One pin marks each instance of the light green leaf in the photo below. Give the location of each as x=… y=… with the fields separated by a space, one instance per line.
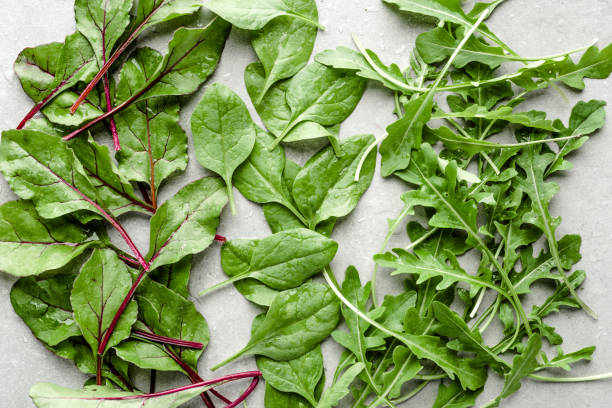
x=47 y=395
x=255 y=14
x=340 y=388
x=224 y=133
x=147 y=356
x=153 y=12
x=98 y=291
x=186 y=223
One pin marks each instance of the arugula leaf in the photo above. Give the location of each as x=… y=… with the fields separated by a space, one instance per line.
x=296 y=322
x=522 y=365
x=285 y=44
x=454 y=396
x=255 y=14
x=563 y=360
x=44 y=305
x=325 y=188
x=98 y=292
x=339 y=389
x=154 y=146
x=404 y=135
x=186 y=223
x=282 y=261
x=348 y=59
x=299 y=376
x=224 y=134
x=31 y=245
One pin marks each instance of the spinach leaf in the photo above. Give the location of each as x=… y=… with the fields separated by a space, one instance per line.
x=96 y=296
x=299 y=376
x=325 y=188
x=281 y=261
x=285 y=44
x=224 y=134
x=323 y=95
x=297 y=321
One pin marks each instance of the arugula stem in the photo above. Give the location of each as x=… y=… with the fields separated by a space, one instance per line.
x=223 y=283
x=167 y=340
x=383 y=247
x=421 y=239
x=363 y=158
x=543 y=378
x=412 y=393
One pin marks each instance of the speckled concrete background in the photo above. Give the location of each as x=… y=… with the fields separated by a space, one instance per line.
x=531 y=27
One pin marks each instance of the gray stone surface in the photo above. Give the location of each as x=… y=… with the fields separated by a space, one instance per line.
x=532 y=28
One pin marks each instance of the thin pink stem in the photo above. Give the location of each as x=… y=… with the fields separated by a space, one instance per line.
x=120 y=311
x=245 y=394
x=129 y=261
x=220 y=238
x=109 y=107
x=224 y=379
x=168 y=340
x=36 y=109
x=112 y=60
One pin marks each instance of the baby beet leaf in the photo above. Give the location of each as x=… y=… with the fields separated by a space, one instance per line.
x=224 y=133
x=168 y=314
x=325 y=187
x=282 y=261
x=31 y=245
x=174 y=276
x=285 y=44
x=41 y=168
x=44 y=305
x=297 y=321
x=114 y=191
x=147 y=356
x=48 y=70
x=255 y=14
x=323 y=95
x=186 y=224
x=102 y=23
x=148 y=14
x=299 y=376
x=98 y=292
x=154 y=146
x=47 y=395
x=193 y=55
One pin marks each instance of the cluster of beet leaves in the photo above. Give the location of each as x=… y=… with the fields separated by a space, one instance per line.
x=113 y=310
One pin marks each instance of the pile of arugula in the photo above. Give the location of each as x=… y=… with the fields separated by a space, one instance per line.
x=109 y=310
